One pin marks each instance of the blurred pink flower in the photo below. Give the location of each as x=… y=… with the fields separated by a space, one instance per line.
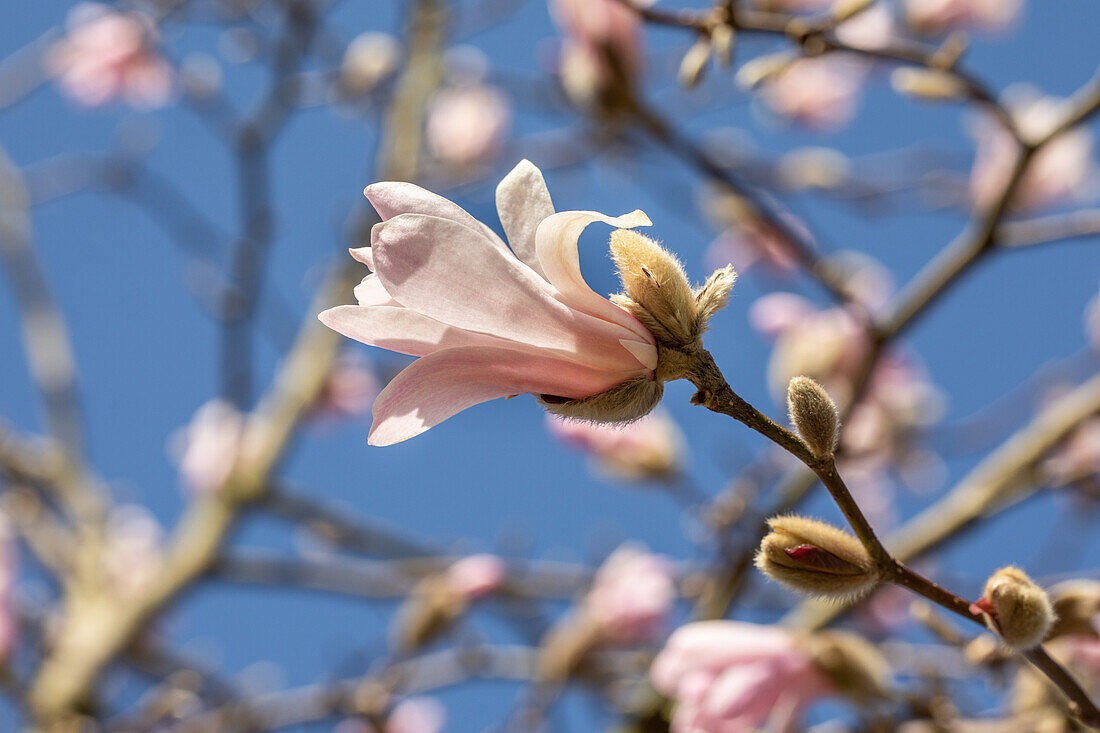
x=467 y=124
x=486 y=321
x=209 y=447
x=1092 y=322
x=649 y=448
x=108 y=55
x=349 y=390
x=872 y=29
x=411 y=715
x=753 y=242
x=603 y=45
x=820 y=92
x=476 y=575
x=132 y=554
x=735 y=677
x=9 y=626
x=631 y=596
x=935 y=16
x=1079 y=455
x=1059 y=173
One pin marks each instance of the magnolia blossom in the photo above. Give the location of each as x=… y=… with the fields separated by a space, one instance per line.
x=466 y=124
x=652 y=447
x=486 y=320
x=1060 y=172
x=476 y=575
x=208 y=448
x=631 y=596
x=107 y=55
x=411 y=715
x=935 y=16
x=1078 y=457
x=9 y=626
x=872 y=29
x=821 y=92
x=350 y=388
x=734 y=677
x=369 y=58
x=602 y=48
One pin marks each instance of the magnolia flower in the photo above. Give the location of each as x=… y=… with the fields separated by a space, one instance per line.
x=1078 y=457
x=488 y=321
x=475 y=576
x=1060 y=172
x=411 y=715
x=820 y=92
x=631 y=596
x=208 y=448
x=107 y=55
x=935 y=16
x=871 y=29
x=649 y=448
x=369 y=58
x=732 y=676
x=467 y=124
x=349 y=390
x=602 y=48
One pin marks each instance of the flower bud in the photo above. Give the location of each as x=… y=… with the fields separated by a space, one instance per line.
x=816 y=558
x=854 y=665
x=722 y=40
x=929 y=84
x=659 y=294
x=1077 y=606
x=762 y=68
x=694 y=63
x=626 y=402
x=1016 y=608
x=814 y=415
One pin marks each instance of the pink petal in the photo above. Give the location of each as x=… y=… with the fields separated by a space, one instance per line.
x=400 y=329
x=442 y=384
x=556 y=244
x=371 y=291
x=522 y=203
x=392 y=199
x=364 y=255
x=452 y=274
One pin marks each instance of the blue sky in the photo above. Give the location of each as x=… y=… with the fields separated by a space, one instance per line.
x=147 y=351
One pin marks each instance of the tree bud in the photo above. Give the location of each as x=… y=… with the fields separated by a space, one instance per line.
x=930 y=84
x=694 y=63
x=1015 y=607
x=853 y=664
x=816 y=558
x=814 y=415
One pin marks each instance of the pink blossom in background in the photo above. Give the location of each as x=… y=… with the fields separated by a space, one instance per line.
x=735 y=677
x=132 y=552
x=602 y=45
x=820 y=92
x=368 y=59
x=1079 y=455
x=417 y=715
x=476 y=575
x=631 y=596
x=467 y=124
x=9 y=558
x=486 y=321
x=652 y=447
x=350 y=388
x=873 y=28
x=936 y=16
x=208 y=448
x=1059 y=173
x=1092 y=322
x=107 y=55
x=411 y=715
x=750 y=243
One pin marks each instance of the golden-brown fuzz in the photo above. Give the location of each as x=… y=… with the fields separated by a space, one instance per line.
x=816 y=558
x=814 y=415
x=1016 y=608
x=658 y=293
x=854 y=665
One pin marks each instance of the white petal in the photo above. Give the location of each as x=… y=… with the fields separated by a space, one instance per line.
x=522 y=203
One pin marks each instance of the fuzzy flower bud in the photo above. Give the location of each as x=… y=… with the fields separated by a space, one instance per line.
x=694 y=63
x=659 y=294
x=1016 y=608
x=816 y=558
x=854 y=666
x=814 y=415
x=928 y=84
